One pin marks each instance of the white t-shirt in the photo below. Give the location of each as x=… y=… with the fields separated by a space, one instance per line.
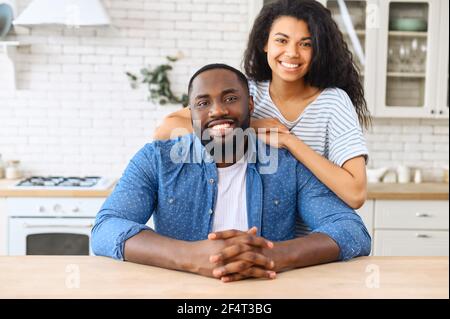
x=231 y=205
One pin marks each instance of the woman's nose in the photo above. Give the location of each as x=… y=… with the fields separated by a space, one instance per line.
x=292 y=52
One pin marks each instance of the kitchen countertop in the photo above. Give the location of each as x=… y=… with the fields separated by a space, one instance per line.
x=6 y=191
x=100 y=277
x=424 y=191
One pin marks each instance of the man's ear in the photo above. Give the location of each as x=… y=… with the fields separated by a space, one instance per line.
x=251 y=105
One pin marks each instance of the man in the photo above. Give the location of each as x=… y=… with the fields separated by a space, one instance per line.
x=192 y=187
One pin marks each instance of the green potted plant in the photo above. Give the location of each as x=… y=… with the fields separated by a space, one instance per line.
x=158 y=83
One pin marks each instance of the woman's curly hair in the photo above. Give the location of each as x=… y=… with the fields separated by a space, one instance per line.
x=332 y=63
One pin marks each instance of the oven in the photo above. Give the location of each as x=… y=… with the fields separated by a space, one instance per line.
x=51 y=226
x=50 y=236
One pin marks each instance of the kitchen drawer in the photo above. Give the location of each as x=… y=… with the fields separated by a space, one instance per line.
x=410 y=243
x=420 y=214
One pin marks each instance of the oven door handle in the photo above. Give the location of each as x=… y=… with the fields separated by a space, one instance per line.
x=26 y=225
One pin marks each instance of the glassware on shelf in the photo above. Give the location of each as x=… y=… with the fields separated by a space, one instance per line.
x=393 y=60
x=415 y=63
x=404 y=57
x=423 y=56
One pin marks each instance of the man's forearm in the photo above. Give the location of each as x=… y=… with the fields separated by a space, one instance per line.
x=150 y=248
x=313 y=249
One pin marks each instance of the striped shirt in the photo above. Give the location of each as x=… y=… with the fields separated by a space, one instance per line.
x=329 y=125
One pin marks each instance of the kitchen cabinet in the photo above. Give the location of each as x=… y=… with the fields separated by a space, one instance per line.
x=405 y=44
x=411 y=243
x=411 y=228
x=3 y=227
x=409 y=42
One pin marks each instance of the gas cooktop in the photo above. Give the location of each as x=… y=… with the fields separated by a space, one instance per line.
x=64 y=183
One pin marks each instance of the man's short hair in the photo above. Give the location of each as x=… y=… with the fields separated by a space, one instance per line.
x=241 y=77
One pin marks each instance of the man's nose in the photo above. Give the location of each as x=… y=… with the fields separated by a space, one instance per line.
x=218 y=110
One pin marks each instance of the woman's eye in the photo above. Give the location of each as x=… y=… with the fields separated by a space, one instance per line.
x=281 y=40
x=306 y=44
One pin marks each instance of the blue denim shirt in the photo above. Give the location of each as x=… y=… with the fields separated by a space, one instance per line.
x=176 y=182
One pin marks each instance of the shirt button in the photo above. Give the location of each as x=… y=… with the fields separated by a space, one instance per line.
x=210 y=211
x=171 y=200
x=276 y=202
x=211 y=181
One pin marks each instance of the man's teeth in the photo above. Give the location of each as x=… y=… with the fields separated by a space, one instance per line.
x=291 y=66
x=221 y=126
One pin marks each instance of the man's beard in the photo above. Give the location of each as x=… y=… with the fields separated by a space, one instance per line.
x=228 y=148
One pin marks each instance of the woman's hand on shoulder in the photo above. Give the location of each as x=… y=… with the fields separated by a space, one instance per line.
x=260 y=125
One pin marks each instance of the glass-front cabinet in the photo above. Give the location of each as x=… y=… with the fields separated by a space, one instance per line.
x=408 y=47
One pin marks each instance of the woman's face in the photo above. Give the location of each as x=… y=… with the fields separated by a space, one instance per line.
x=289 y=49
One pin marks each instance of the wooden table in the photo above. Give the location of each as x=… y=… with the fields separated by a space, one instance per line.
x=99 y=277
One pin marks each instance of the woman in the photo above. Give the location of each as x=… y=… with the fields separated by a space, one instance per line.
x=304 y=83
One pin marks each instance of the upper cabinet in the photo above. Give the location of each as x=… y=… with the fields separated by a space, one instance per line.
x=409 y=41
x=405 y=66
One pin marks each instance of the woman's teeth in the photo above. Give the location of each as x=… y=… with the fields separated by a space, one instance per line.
x=290 y=66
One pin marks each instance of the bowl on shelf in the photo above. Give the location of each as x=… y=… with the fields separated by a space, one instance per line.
x=6 y=18
x=408 y=24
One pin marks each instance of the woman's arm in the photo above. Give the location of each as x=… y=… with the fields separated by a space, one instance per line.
x=348 y=182
x=175 y=124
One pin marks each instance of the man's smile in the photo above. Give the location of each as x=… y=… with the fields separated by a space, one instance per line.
x=221 y=127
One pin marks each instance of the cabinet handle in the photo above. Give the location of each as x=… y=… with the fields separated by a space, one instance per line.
x=423 y=236
x=423 y=215
x=441 y=112
x=433 y=111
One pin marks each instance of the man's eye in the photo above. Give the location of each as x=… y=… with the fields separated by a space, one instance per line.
x=202 y=104
x=230 y=99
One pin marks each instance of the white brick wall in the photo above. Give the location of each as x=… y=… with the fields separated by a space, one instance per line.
x=75 y=114
x=417 y=143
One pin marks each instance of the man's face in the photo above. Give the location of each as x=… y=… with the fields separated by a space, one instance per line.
x=220 y=104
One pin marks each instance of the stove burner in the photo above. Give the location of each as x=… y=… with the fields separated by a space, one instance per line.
x=58 y=181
